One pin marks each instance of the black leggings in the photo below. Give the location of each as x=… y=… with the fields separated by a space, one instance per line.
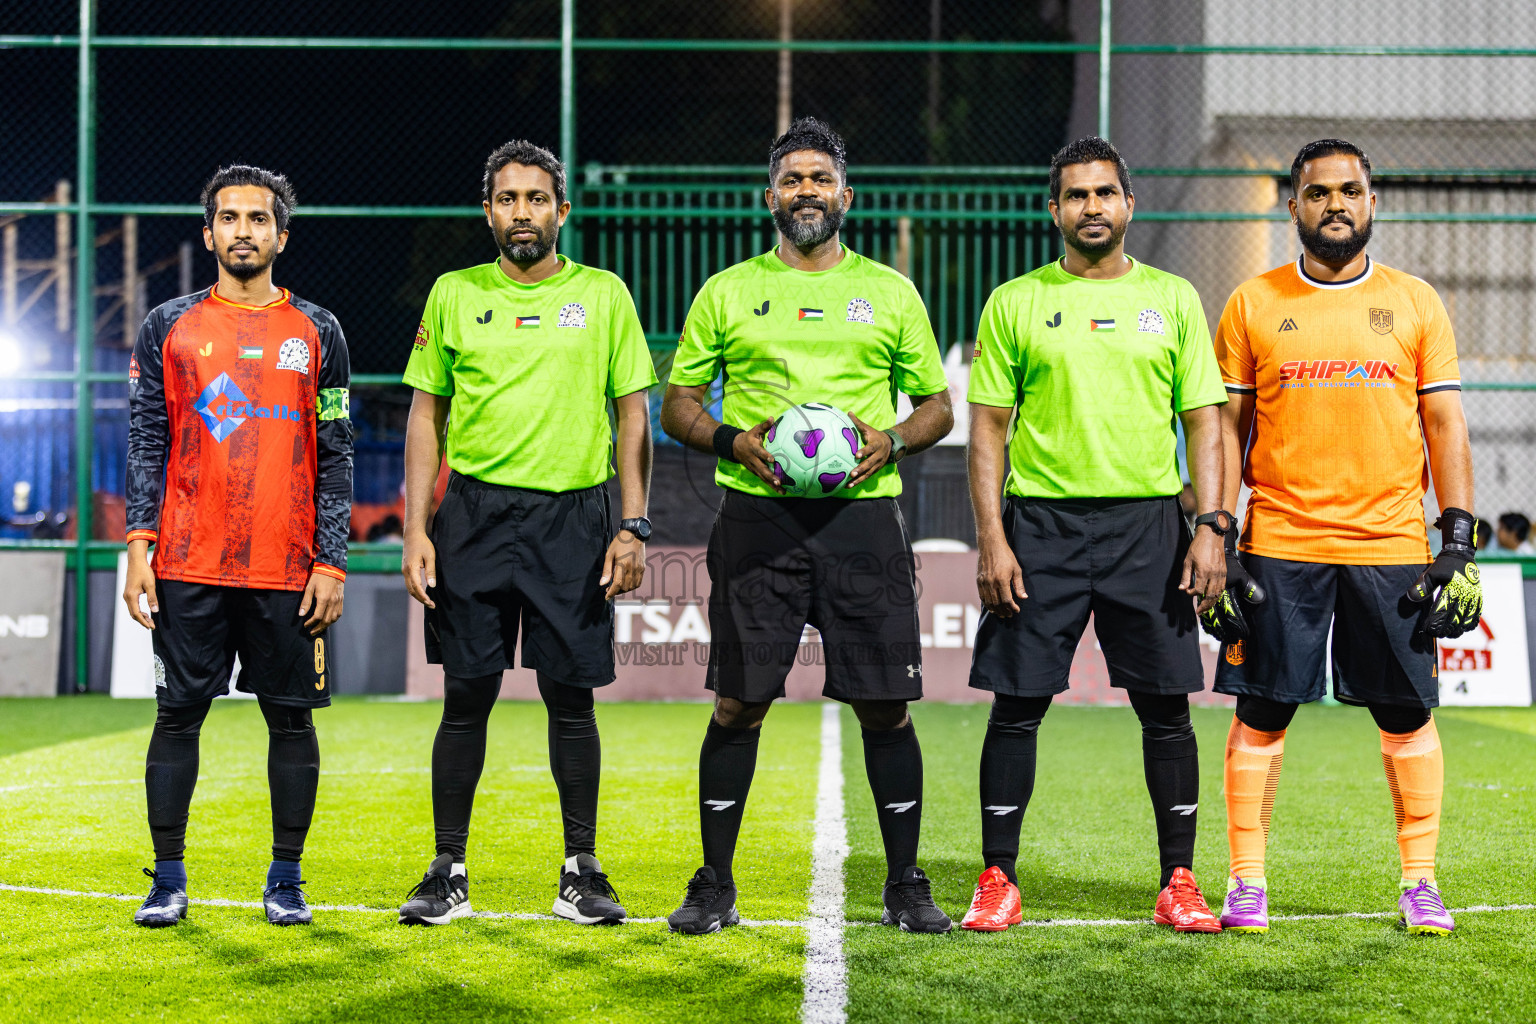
x=293 y=776
x=458 y=758
x=1267 y=715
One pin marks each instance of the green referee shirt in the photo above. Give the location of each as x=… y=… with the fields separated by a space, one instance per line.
x=531 y=368
x=851 y=337
x=1096 y=371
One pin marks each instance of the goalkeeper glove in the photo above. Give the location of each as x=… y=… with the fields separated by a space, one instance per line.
x=1451 y=585
x=1224 y=620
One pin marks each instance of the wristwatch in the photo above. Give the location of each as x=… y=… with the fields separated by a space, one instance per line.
x=1221 y=522
x=640 y=527
x=898 y=446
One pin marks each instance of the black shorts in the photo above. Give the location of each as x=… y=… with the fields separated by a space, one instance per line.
x=1119 y=559
x=507 y=553
x=1379 y=654
x=843 y=565
x=200 y=628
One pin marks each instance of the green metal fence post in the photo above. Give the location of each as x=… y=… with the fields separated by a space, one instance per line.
x=572 y=246
x=1104 y=13
x=85 y=326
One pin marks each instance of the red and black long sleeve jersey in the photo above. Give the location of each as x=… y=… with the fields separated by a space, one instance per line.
x=239 y=442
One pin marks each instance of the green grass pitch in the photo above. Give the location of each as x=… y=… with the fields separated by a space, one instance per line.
x=72 y=807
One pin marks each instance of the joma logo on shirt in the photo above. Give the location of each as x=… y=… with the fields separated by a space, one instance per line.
x=1337 y=369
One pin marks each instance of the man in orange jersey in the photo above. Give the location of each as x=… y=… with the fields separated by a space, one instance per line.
x=1340 y=371
x=240 y=475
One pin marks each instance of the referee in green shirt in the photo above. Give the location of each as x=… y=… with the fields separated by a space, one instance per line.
x=1092 y=358
x=809 y=321
x=519 y=360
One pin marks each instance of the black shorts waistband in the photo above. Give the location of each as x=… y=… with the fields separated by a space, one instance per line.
x=459 y=483
x=1090 y=504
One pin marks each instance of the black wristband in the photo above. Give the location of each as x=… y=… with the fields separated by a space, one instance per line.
x=1457 y=529
x=725 y=439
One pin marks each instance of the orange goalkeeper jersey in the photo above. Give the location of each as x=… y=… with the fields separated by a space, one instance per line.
x=1336 y=460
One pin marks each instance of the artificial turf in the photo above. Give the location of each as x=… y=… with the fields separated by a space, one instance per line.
x=71 y=798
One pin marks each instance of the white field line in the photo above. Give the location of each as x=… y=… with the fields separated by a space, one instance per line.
x=826 y=969
x=1058 y=922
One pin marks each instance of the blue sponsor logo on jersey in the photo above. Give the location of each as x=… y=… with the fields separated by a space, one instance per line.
x=224 y=407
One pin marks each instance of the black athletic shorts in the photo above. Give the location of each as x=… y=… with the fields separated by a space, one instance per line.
x=508 y=553
x=200 y=628
x=844 y=565
x=1379 y=654
x=1121 y=560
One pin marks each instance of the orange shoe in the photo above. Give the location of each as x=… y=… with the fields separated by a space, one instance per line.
x=1182 y=906
x=995 y=905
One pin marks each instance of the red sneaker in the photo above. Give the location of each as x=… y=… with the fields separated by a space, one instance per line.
x=1182 y=906
x=995 y=905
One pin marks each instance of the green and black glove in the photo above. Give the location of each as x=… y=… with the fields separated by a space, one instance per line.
x=1224 y=620
x=1452 y=585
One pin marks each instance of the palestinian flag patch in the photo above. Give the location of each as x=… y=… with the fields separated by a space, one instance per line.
x=810 y=314
x=525 y=322
x=250 y=352
x=1101 y=325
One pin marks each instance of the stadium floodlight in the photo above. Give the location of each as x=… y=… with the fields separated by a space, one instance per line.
x=11 y=355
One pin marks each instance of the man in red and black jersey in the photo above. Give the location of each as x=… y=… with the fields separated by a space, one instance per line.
x=240 y=476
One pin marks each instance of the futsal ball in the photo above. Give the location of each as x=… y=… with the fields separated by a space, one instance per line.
x=814 y=448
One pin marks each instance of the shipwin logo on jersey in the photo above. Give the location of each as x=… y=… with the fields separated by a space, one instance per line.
x=224 y=407
x=809 y=314
x=573 y=314
x=861 y=312
x=293 y=355
x=1150 y=322
x=1381 y=321
x=523 y=323
x=1101 y=325
x=422 y=335
x=1338 y=372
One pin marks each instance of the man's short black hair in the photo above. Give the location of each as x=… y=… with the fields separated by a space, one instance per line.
x=1327 y=147
x=234 y=175
x=1516 y=524
x=809 y=133
x=1090 y=149
x=521 y=151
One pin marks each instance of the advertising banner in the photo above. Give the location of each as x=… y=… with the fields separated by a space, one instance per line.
x=1491 y=664
x=31 y=617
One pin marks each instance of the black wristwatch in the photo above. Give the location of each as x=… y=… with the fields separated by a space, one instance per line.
x=898 y=446
x=640 y=527
x=1221 y=522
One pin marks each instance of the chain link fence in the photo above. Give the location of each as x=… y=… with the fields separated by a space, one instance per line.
x=664 y=110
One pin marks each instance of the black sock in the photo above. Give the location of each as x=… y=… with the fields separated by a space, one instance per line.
x=1171 y=760
x=293 y=776
x=1008 y=777
x=575 y=760
x=726 y=763
x=170 y=775
x=458 y=757
x=893 y=760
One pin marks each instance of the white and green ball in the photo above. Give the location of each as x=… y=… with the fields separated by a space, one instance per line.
x=814 y=448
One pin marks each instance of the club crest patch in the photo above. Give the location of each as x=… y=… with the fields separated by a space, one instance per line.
x=1150 y=322
x=861 y=312
x=1235 y=653
x=159 y=671
x=572 y=314
x=1381 y=321
x=293 y=355
x=422 y=335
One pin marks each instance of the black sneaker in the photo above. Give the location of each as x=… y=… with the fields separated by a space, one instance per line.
x=285 y=904
x=909 y=903
x=586 y=897
x=709 y=906
x=439 y=898
x=164 y=905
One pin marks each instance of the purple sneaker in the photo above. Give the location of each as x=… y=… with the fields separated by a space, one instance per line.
x=1246 y=909
x=1422 y=913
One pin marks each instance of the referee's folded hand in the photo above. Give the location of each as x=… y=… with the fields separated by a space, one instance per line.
x=418 y=564
x=623 y=565
x=999 y=579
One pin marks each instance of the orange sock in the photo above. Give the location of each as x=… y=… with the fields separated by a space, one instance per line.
x=1416 y=775
x=1251 y=774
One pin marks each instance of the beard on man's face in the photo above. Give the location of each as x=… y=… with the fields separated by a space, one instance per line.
x=807 y=234
x=525 y=254
x=1330 y=249
x=1090 y=248
x=246 y=269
